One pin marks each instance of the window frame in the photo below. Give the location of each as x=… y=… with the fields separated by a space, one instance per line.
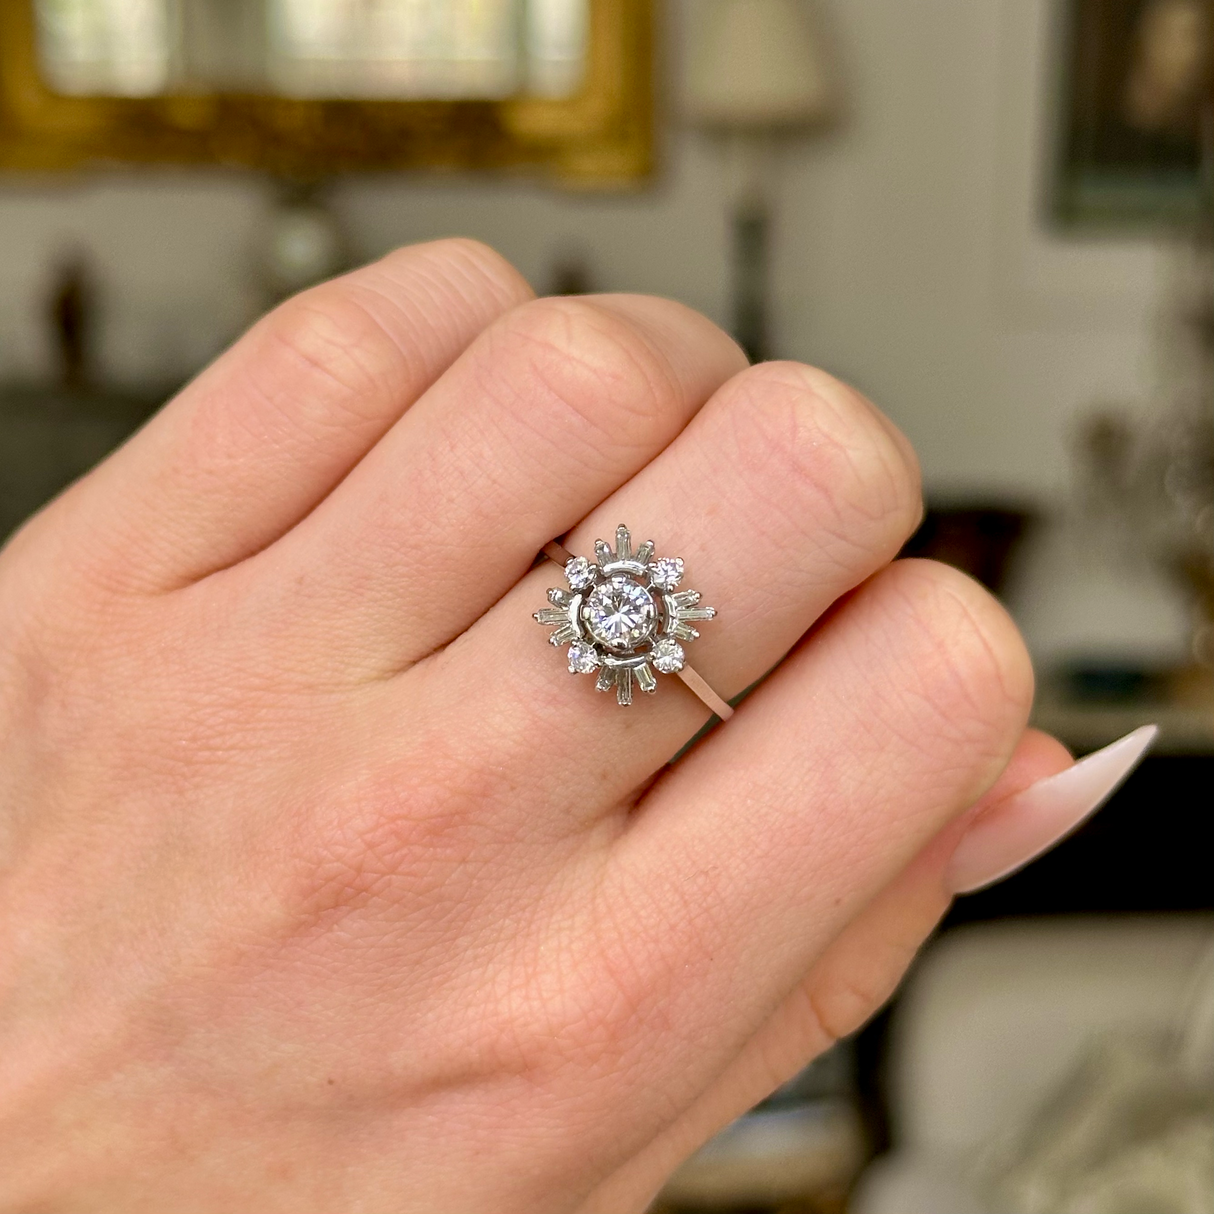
x=600 y=137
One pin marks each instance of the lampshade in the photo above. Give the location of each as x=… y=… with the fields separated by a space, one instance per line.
x=756 y=64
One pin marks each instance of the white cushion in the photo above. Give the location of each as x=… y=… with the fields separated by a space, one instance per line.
x=1197 y=1038
x=995 y=1013
x=908 y=1183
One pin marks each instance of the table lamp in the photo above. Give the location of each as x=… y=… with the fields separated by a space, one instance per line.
x=758 y=73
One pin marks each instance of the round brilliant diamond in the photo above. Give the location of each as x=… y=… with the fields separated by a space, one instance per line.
x=666 y=573
x=582 y=659
x=580 y=573
x=667 y=656
x=620 y=613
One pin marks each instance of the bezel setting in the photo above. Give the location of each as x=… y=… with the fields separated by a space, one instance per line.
x=623 y=617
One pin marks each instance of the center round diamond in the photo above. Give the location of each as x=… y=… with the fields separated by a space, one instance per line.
x=620 y=613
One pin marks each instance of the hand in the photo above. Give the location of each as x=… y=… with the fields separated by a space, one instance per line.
x=324 y=887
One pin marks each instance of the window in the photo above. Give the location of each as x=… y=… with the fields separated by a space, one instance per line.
x=352 y=49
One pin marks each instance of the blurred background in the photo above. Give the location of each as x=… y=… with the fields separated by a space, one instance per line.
x=995 y=217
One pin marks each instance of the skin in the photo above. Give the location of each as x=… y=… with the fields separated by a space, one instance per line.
x=324 y=887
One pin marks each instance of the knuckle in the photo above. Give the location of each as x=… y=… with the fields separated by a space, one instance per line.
x=970 y=663
x=329 y=343
x=467 y=263
x=839 y=1007
x=816 y=441
x=584 y=363
x=837 y=1010
x=335 y=356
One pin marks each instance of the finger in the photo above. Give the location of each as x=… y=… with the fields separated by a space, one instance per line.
x=890 y=931
x=547 y=413
x=785 y=492
x=261 y=436
x=753 y=853
x=846 y=985
x=862 y=966
x=897 y=714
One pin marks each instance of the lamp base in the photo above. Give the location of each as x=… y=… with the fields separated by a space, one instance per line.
x=750 y=273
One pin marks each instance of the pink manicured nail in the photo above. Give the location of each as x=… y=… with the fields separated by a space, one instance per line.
x=1010 y=834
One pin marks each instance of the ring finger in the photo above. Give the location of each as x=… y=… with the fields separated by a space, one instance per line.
x=785 y=492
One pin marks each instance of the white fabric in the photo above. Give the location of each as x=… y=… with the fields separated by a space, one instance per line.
x=996 y=1012
x=1197 y=1045
x=1124 y=1133
x=906 y=1182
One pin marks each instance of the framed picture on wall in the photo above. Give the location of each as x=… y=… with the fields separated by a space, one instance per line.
x=1135 y=111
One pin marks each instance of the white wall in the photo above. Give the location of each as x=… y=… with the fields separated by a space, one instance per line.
x=910 y=257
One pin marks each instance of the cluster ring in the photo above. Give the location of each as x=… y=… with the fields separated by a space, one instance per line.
x=624 y=619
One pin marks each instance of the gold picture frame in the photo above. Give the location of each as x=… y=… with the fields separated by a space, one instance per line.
x=600 y=137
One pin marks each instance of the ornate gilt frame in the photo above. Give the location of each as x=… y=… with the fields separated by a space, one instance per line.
x=600 y=137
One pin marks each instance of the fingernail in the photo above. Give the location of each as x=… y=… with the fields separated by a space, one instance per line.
x=1010 y=834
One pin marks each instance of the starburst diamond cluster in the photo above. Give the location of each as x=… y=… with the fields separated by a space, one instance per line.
x=623 y=616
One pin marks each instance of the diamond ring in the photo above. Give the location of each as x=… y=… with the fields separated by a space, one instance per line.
x=624 y=618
